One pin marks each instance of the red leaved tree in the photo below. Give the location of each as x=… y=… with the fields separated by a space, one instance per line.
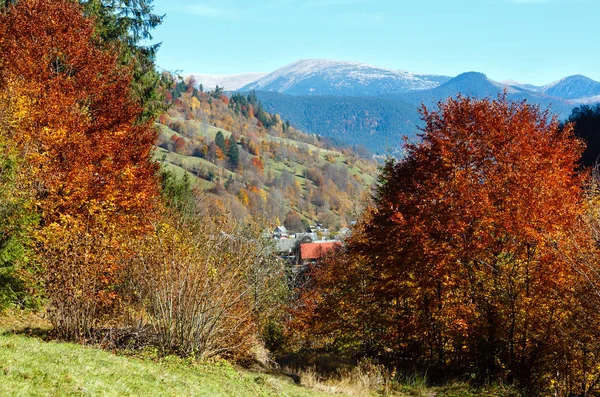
x=455 y=267
x=89 y=159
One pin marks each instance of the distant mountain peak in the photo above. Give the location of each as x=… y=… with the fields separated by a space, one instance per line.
x=573 y=88
x=472 y=74
x=329 y=77
x=512 y=82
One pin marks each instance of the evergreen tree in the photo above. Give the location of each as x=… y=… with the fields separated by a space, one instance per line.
x=586 y=124
x=126 y=23
x=229 y=182
x=233 y=155
x=220 y=141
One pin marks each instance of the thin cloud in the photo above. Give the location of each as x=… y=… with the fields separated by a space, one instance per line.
x=313 y=3
x=548 y=1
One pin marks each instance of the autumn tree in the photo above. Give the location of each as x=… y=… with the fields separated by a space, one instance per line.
x=126 y=24
x=85 y=147
x=293 y=222
x=454 y=268
x=17 y=205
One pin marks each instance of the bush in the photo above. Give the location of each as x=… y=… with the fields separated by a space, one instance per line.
x=80 y=264
x=202 y=283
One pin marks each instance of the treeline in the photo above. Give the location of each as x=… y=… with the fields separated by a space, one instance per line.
x=93 y=232
x=348 y=120
x=258 y=165
x=478 y=258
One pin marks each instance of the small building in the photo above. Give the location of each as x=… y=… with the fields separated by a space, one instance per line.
x=285 y=246
x=280 y=232
x=310 y=252
x=307 y=237
x=344 y=232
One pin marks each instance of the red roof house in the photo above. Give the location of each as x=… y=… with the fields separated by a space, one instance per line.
x=313 y=251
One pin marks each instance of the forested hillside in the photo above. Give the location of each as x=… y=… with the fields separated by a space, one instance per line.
x=379 y=122
x=253 y=163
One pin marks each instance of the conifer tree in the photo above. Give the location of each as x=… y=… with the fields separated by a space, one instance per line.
x=233 y=155
x=220 y=141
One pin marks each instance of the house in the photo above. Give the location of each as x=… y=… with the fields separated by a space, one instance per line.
x=307 y=237
x=320 y=231
x=280 y=232
x=285 y=246
x=310 y=252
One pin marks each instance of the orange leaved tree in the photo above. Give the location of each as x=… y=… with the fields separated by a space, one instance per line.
x=455 y=267
x=89 y=159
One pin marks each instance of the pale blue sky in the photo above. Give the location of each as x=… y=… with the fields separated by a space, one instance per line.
x=533 y=41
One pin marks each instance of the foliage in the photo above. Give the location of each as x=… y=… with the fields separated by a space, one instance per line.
x=203 y=282
x=124 y=24
x=455 y=267
x=255 y=171
x=177 y=194
x=233 y=155
x=586 y=124
x=87 y=157
x=17 y=212
x=220 y=141
x=80 y=262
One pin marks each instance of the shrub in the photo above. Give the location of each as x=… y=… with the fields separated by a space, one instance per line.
x=202 y=282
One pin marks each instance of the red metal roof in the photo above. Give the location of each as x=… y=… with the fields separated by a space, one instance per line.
x=317 y=250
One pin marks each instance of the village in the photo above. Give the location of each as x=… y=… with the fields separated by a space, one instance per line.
x=303 y=248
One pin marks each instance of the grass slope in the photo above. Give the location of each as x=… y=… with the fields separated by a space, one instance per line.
x=31 y=367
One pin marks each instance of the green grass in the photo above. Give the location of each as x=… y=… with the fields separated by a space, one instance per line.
x=210 y=131
x=32 y=367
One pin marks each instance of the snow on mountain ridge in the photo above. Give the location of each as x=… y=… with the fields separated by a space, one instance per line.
x=573 y=87
x=325 y=75
x=308 y=67
x=229 y=82
x=341 y=78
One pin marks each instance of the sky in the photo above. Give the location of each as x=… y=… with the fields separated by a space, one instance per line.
x=531 y=41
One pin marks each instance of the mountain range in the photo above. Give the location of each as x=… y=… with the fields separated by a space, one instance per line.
x=359 y=104
x=325 y=77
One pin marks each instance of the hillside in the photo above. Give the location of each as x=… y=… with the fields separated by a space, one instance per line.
x=373 y=122
x=573 y=87
x=254 y=164
x=31 y=367
x=379 y=122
